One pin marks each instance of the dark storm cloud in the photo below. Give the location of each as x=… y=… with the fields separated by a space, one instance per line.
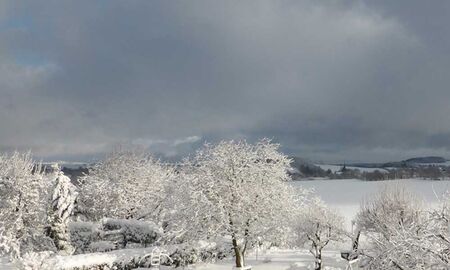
x=331 y=80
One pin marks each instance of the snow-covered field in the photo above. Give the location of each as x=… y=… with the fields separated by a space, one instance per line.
x=347 y=195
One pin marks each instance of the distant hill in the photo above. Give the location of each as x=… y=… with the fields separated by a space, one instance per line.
x=411 y=162
x=426 y=160
x=429 y=167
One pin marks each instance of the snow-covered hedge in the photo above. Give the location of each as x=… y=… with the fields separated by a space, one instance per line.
x=125 y=259
x=82 y=235
x=200 y=251
x=103 y=258
x=102 y=246
x=112 y=234
x=134 y=231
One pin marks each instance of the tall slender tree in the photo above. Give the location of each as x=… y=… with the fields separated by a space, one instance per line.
x=63 y=202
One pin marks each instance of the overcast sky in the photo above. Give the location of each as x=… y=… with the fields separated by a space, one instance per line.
x=329 y=80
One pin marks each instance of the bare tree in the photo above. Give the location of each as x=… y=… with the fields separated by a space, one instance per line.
x=317 y=226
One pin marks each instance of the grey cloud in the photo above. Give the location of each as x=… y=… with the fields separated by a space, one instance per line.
x=329 y=80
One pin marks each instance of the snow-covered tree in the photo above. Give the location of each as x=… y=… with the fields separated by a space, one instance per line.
x=24 y=195
x=424 y=244
x=127 y=184
x=238 y=190
x=63 y=202
x=316 y=227
x=397 y=228
x=394 y=205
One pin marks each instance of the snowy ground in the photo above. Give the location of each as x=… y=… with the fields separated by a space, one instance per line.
x=265 y=260
x=280 y=260
x=5 y=264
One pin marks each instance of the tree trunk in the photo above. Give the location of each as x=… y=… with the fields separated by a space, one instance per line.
x=238 y=254
x=318 y=261
x=356 y=241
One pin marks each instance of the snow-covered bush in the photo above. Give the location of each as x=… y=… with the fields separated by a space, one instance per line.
x=199 y=251
x=238 y=190
x=35 y=260
x=392 y=207
x=425 y=244
x=111 y=234
x=101 y=246
x=135 y=231
x=316 y=226
x=127 y=184
x=401 y=234
x=82 y=234
x=24 y=197
x=9 y=243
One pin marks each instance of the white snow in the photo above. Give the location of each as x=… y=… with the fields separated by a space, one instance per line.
x=280 y=260
x=90 y=259
x=5 y=264
x=264 y=260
